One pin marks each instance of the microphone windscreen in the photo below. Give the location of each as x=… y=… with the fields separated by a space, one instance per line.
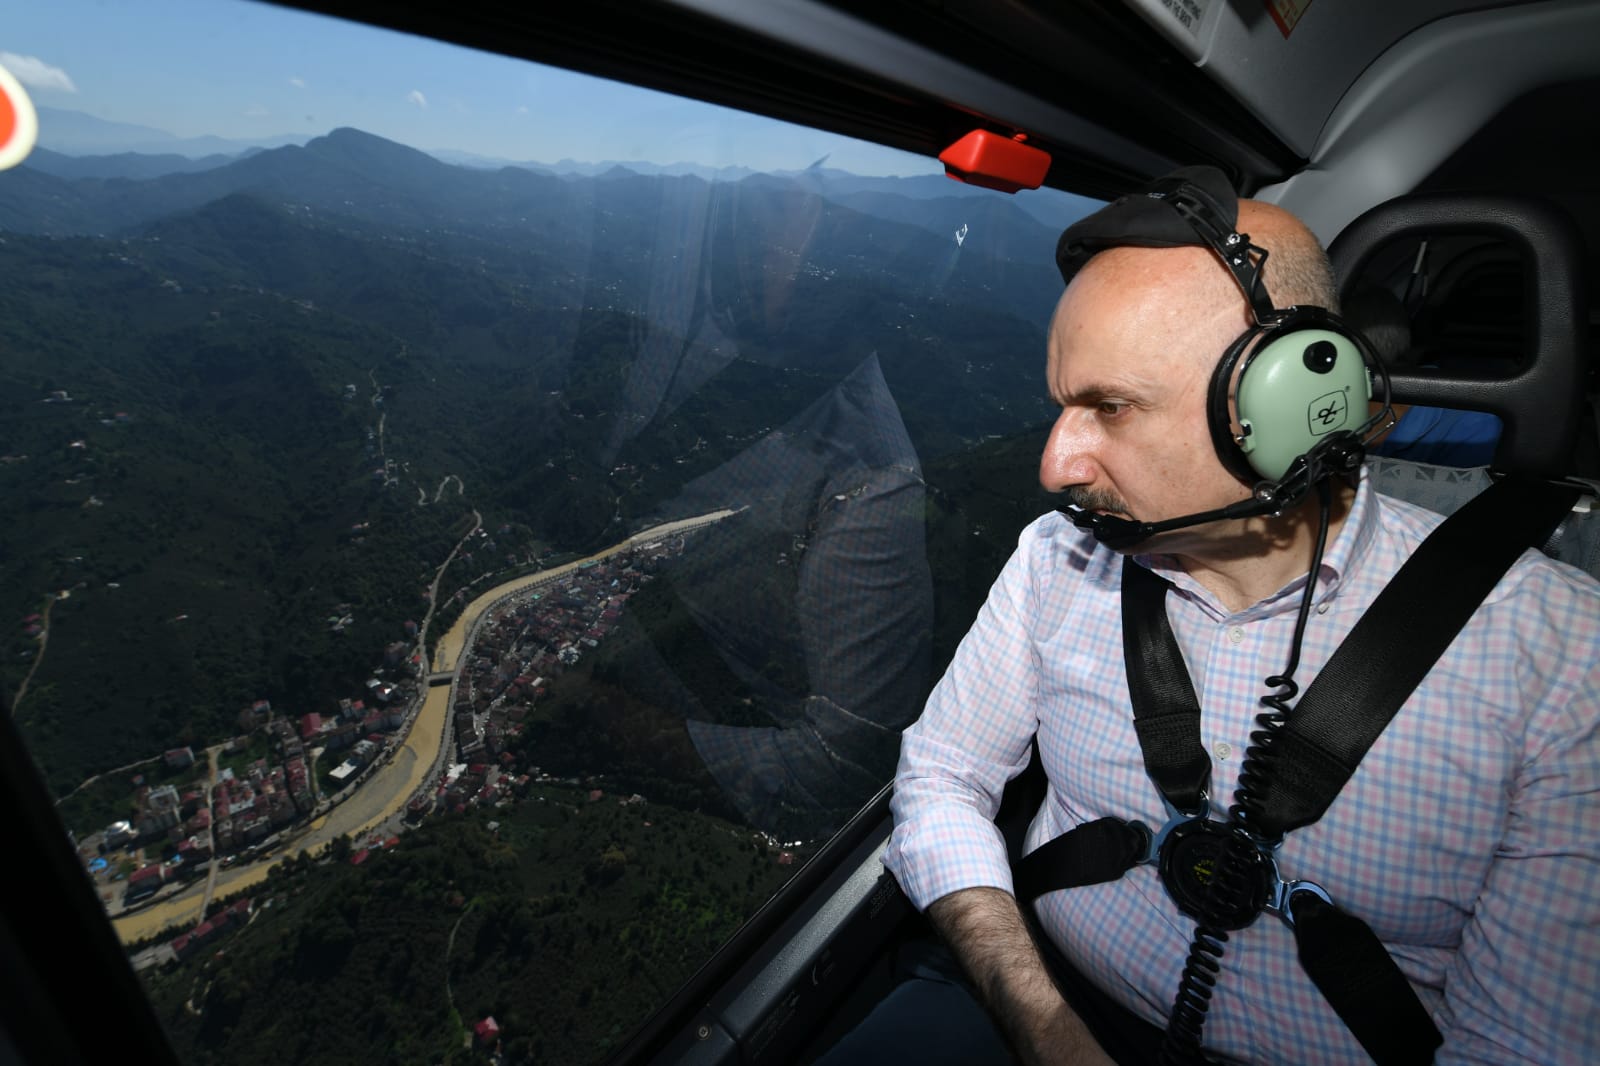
x=1110 y=530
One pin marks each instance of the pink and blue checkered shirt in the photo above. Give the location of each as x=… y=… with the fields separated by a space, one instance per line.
x=1468 y=839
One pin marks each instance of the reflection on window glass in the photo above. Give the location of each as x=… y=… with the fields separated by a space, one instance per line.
x=475 y=530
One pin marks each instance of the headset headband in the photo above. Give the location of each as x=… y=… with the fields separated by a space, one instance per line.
x=1245 y=261
x=1191 y=206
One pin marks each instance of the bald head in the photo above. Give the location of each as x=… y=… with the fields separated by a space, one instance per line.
x=1298 y=271
x=1142 y=329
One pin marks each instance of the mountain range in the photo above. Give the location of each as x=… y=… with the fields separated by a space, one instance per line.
x=264 y=354
x=74 y=144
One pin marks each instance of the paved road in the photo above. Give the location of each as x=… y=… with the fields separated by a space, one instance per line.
x=385 y=794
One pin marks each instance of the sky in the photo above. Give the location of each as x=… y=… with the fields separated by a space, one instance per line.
x=238 y=69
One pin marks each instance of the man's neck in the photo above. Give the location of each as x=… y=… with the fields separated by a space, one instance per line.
x=1267 y=554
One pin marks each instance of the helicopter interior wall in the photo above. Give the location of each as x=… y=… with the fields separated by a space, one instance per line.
x=1532 y=145
x=1319 y=55
x=1411 y=109
x=910 y=932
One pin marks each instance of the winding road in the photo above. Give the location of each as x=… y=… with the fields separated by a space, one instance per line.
x=38 y=656
x=386 y=793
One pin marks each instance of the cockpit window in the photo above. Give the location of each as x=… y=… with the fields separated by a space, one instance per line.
x=474 y=529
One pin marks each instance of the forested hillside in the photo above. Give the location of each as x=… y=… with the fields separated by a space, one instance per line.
x=568 y=922
x=232 y=412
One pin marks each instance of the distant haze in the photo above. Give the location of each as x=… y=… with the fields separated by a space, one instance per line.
x=198 y=77
x=73 y=144
x=79 y=133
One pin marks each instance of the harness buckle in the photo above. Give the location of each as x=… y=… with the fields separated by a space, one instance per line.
x=1216 y=874
x=1156 y=840
x=1282 y=903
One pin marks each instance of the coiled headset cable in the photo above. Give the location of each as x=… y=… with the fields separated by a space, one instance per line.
x=1229 y=891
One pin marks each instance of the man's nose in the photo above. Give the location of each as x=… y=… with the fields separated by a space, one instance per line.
x=1069 y=453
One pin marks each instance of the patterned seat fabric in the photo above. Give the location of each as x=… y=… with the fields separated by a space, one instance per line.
x=1445 y=489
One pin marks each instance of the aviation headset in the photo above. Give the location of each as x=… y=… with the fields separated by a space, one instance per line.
x=1301 y=377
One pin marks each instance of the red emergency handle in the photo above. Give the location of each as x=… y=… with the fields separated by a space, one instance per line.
x=995 y=161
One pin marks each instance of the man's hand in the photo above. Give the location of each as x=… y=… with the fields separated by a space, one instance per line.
x=985 y=929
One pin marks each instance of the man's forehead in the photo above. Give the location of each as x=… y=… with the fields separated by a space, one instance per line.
x=1134 y=315
x=1088 y=364
x=1143 y=289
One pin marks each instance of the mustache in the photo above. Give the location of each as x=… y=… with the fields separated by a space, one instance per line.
x=1097 y=500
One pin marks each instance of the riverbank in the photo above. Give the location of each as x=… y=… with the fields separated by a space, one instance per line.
x=409 y=766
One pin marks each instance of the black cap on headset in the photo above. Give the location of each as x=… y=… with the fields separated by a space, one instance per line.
x=1144 y=219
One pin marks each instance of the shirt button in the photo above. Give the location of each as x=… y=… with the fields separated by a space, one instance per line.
x=1322 y=608
x=1221 y=749
x=1235 y=635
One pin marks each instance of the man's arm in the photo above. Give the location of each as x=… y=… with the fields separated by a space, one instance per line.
x=1522 y=987
x=973 y=737
x=985 y=929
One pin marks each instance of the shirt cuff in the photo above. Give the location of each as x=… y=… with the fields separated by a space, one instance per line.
x=938 y=853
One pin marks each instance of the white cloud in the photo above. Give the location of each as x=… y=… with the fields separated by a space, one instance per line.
x=256 y=111
x=298 y=83
x=415 y=97
x=36 y=73
x=523 y=110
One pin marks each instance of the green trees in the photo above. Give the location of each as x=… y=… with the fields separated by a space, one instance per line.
x=571 y=972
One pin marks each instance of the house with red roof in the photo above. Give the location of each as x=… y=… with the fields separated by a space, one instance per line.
x=146 y=880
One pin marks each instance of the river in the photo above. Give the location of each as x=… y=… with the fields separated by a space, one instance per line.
x=385 y=794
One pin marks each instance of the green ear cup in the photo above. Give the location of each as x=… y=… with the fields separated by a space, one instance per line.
x=1296 y=389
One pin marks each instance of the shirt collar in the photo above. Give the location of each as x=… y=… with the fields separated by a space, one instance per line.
x=1354 y=538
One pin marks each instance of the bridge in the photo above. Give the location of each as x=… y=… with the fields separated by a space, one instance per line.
x=441 y=677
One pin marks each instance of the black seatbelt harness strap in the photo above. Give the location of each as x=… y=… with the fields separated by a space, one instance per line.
x=1349 y=704
x=1395 y=644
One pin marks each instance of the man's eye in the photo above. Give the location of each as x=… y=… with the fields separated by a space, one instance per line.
x=1111 y=408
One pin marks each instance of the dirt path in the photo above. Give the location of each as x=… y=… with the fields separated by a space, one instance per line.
x=438 y=575
x=38 y=656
